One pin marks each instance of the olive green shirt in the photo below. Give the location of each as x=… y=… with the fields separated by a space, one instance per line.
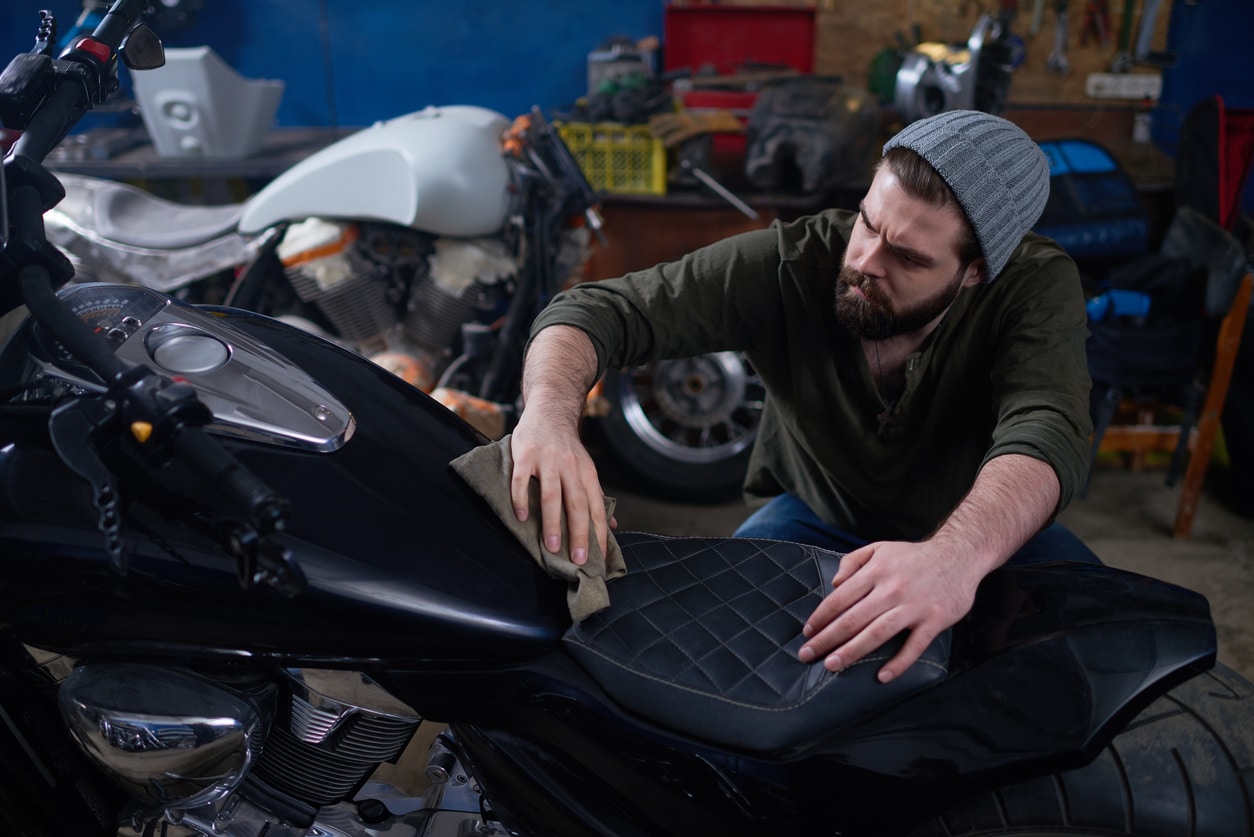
x=1004 y=372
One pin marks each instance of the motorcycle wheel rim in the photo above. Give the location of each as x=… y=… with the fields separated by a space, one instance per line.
x=697 y=410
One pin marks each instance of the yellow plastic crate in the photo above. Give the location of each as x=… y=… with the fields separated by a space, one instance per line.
x=625 y=159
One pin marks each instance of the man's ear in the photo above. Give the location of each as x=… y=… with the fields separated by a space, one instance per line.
x=975 y=274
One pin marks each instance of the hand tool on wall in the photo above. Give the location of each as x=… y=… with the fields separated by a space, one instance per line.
x=1142 y=54
x=1096 y=22
x=1122 y=61
x=1057 y=60
x=1145 y=32
x=1038 y=14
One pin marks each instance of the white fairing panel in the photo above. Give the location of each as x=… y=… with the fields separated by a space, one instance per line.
x=441 y=170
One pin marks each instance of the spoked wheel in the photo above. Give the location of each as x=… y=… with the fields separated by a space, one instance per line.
x=684 y=429
x=1182 y=767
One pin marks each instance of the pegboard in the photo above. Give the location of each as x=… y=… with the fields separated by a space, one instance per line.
x=850 y=34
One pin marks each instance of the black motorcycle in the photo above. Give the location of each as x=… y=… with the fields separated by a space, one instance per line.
x=237 y=573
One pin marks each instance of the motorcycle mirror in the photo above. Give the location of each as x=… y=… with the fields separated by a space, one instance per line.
x=141 y=49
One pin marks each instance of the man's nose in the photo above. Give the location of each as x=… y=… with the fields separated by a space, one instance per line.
x=869 y=259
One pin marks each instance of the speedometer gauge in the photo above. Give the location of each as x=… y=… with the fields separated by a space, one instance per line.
x=114 y=312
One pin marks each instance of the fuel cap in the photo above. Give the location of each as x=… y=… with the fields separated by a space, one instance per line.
x=186 y=350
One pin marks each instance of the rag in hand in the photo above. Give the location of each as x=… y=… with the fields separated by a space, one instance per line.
x=487 y=469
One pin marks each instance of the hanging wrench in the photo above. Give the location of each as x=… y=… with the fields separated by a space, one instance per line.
x=1149 y=16
x=1057 y=60
x=1122 y=62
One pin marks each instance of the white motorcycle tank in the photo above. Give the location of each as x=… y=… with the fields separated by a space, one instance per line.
x=440 y=169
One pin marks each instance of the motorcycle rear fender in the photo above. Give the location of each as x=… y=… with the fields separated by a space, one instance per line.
x=440 y=170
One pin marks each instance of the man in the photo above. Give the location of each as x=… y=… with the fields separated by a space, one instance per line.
x=924 y=360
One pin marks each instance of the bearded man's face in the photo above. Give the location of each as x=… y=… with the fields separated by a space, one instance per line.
x=864 y=309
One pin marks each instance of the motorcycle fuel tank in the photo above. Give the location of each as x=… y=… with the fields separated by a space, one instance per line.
x=441 y=170
x=404 y=561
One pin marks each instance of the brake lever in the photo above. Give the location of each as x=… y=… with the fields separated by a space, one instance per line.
x=174 y=433
x=178 y=435
x=73 y=426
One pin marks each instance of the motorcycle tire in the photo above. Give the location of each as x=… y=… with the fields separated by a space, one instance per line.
x=683 y=429
x=1181 y=768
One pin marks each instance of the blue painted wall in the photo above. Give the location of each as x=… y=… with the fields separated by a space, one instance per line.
x=381 y=58
x=1214 y=42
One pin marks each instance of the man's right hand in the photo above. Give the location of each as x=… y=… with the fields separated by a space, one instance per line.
x=560 y=369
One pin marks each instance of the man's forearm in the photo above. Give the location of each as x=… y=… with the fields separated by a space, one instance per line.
x=1012 y=499
x=560 y=368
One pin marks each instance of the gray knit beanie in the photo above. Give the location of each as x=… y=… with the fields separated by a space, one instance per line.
x=1000 y=176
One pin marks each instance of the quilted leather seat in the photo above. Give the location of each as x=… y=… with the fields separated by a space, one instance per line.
x=702 y=636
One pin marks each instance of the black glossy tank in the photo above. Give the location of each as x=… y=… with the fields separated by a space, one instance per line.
x=404 y=561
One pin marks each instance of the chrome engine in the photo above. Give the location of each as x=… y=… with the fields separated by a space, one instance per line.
x=405 y=298
x=397 y=295
x=291 y=756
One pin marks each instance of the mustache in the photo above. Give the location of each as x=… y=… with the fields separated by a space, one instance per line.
x=850 y=278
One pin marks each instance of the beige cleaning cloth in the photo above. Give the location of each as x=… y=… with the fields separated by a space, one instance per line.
x=487 y=469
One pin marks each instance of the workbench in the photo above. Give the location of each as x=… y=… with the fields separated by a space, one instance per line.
x=644 y=230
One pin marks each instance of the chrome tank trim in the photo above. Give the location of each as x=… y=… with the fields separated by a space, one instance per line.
x=253 y=392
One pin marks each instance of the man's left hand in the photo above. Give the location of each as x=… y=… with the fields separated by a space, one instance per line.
x=881 y=590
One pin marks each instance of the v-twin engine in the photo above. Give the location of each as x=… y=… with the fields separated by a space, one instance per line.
x=397 y=295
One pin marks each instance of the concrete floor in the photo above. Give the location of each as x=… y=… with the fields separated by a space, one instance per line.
x=1126 y=519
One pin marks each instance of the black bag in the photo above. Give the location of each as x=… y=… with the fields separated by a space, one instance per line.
x=1138 y=357
x=1160 y=350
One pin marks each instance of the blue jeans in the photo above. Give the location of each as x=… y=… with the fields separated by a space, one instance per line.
x=787 y=518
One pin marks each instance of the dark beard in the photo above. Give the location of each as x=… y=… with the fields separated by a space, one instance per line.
x=873 y=318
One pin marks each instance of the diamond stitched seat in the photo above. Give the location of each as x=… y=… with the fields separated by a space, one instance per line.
x=702 y=636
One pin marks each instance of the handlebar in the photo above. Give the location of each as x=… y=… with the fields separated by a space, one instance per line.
x=47 y=97
x=51 y=122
